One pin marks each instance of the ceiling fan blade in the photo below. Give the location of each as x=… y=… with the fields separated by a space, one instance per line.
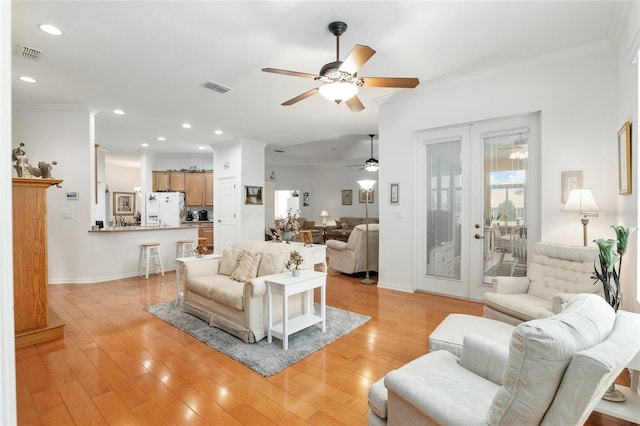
x=300 y=97
x=357 y=58
x=354 y=104
x=407 y=83
x=291 y=73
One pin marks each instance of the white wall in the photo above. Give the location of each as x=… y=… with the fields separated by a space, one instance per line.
x=183 y=161
x=575 y=92
x=252 y=160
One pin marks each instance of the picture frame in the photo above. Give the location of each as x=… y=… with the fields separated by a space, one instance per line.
x=570 y=180
x=72 y=195
x=124 y=203
x=364 y=194
x=253 y=195
x=306 y=237
x=624 y=159
x=305 y=199
x=347 y=197
x=394 y=193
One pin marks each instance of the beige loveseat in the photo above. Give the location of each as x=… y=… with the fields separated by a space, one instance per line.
x=230 y=293
x=555 y=272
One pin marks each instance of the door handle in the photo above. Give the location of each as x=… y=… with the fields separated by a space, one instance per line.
x=478 y=237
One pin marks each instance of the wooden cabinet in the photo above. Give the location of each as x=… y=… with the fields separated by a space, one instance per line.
x=34 y=321
x=168 y=181
x=208 y=189
x=161 y=181
x=176 y=181
x=206 y=231
x=194 y=186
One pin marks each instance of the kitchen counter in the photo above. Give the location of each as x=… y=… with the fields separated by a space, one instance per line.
x=137 y=228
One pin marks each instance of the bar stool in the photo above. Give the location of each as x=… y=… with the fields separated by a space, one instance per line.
x=150 y=251
x=184 y=248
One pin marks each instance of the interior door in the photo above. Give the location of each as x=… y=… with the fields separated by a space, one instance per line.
x=227 y=204
x=477 y=183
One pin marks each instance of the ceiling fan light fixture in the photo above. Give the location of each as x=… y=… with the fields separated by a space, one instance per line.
x=371 y=165
x=338 y=91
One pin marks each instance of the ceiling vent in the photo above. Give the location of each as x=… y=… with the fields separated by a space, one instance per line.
x=215 y=87
x=28 y=53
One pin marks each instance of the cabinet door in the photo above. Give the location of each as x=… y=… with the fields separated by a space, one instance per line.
x=207 y=232
x=177 y=181
x=160 y=181
x=194 y=183
x=208 y=189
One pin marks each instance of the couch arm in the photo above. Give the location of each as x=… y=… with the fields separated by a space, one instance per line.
x=560 y=301
x=484 y=357
x=202 y=267
x=337 y=245
x=510 y=285
x=255 y=287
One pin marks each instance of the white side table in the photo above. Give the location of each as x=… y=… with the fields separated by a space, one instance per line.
x=318 y=254
x=287 y=285
x=181 y=260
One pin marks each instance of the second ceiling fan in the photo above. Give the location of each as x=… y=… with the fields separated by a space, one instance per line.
x=341 y=83
x=371 y=165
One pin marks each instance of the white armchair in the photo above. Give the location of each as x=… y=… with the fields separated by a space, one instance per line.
x=350 y=257
x=555 y=272
x=538 y=379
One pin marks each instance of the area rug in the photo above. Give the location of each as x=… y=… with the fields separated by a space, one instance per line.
x=262 y=357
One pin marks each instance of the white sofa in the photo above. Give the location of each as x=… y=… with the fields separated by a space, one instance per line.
x=230 y=293
x=538 y=379
x=350 y=257
x=555 y=272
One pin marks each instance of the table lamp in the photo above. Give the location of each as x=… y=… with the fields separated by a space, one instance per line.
x=581 y=201
x=367 y=187
x=324 y=215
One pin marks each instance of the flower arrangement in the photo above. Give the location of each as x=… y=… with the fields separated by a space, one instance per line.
x=200 y=250
x=295 y=260
x=288 y=226
x=607 y=273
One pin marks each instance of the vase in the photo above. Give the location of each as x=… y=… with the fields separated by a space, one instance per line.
x=295 y=272
x=286 y=236
x=614 y=395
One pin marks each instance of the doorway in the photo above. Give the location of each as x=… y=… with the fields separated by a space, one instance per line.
x=476 y=184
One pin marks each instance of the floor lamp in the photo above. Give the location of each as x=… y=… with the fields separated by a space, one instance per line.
x=581 y=201
x=367 y=187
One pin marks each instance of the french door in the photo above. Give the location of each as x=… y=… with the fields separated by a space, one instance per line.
x=476 y=183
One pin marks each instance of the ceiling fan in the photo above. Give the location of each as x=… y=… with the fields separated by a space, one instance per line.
x=371 y=165
x=341 y=83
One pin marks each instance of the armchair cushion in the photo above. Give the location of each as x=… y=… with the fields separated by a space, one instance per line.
x=484 y=357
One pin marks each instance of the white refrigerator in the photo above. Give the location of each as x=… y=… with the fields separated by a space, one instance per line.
x=164 y=208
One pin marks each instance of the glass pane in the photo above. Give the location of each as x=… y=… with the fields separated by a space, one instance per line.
x=443 y=209
x=505 y=205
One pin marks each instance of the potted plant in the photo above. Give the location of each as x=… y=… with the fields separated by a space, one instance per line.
x=294 y=262
x=605 y=271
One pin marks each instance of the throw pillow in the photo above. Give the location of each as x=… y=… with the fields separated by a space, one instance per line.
x=247 y=266
x=229 y=262
x=307 y=224
x=338 y=224
x=271 y=263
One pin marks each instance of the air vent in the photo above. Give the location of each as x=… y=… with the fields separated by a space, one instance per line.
x=215 y=87
x=28 y=53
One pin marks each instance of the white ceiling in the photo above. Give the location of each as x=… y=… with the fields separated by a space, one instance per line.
x=149 y=58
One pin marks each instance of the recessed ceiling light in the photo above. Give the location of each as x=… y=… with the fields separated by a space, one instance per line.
x=50 y=29
x=162 y=138
x=144 y=144
x=186 y=125
x=118 y=111
x=218 y=132
x=27 y=79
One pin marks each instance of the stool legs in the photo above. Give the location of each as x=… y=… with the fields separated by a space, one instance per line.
x=147 y=252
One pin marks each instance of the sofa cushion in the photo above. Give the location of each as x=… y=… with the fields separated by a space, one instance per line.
x=378 y=399
x=307 y=224
x=229 y=263
x=247 y=266
x=522 y=306
x=484 y=357
x=228 y=292
x=539 y=354
x=270 y=263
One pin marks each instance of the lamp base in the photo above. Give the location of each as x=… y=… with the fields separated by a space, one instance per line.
x=367 y=281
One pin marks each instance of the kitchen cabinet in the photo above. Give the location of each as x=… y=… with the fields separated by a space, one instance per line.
x=34 y=320
x=199 y=189
x=176 y=181
x=161 y=181
x=206 y=231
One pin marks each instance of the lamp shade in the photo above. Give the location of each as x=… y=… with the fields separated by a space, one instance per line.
x=338 y=91
x=366 y=184
x=324 y=213
x=581 y=200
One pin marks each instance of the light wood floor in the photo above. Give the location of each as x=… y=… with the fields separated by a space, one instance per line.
x=119 y=365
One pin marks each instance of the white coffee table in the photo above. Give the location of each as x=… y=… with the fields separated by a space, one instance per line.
x=287 y=285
